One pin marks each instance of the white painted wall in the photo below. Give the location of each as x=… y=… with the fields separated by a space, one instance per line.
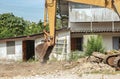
x=64 y=36
x=91 y=14
x=18 y=52
x=106 y=37
x=16 y=56
x=108 y=40
x=3 y=51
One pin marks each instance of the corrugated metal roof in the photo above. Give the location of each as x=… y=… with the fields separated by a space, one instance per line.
x=96 y=32
x=96 y=27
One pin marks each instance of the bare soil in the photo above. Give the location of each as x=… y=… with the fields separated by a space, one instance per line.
x=28 y=68
x=14 y=69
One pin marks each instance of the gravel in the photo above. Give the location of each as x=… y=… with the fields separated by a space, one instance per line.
x=69 y=76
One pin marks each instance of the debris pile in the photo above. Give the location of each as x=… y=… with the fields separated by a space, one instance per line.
x=84 y=66
x=93 y=64
x=111 y=58
x=91 y=67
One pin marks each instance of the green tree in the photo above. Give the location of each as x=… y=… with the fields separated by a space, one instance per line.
x=33 y=28
x=40 y=25
x=11 y=26
x=58 y=23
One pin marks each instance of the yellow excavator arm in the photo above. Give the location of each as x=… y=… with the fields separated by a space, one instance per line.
x=50 y=11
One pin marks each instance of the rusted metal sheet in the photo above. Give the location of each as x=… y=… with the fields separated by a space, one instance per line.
x=24 y=50
x=73 y=44
x=93 y=14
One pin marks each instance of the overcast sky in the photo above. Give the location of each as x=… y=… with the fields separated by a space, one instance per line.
x=28 y=9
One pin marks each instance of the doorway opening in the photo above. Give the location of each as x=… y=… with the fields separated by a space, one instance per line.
x=28 y=50
x=76 y=44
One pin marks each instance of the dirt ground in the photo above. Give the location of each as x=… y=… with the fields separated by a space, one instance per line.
x=13 y=69
x=10 y=69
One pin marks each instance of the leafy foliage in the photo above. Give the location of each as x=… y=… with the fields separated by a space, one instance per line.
x=58 y=23
x=11 y=26
x=33 y=28
x=76 y=55
x=94 y=44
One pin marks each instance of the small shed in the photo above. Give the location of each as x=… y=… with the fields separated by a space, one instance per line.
x=18 y=48
x=23 y=47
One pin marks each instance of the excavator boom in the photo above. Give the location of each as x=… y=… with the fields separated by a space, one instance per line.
x=50 y=11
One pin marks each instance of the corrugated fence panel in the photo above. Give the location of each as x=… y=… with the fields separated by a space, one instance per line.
x=80 y=27
x=95 y=15
x=95 y=27
x=117 y=26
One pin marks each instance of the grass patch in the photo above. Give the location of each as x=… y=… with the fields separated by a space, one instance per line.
x=75 y=55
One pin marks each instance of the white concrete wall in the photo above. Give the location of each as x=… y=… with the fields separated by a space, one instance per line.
x=18 y=52
x=3 y=51
x=108 y=40
x=64 y=36
x=87 y=14
x=106 y=37
x=16 y=56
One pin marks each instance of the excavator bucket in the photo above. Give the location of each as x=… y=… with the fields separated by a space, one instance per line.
x=117 y=63
x=110 y=60
x=44 y=51
x=114 y=61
